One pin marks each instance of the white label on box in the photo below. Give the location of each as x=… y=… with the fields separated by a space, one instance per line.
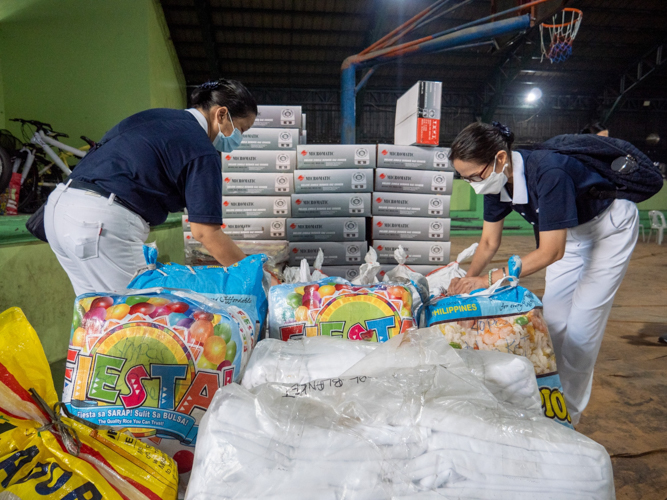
x=255 y=229
x=258 y=161
x=269 y=138
x=253 y=184
x=335 y=253
x=413 y=157
x=411 y=228
x=323 y=156
x=413 y=181
x=327 y=229
x=242 y=207
x=333 y=181
x=410 y=205
x=278 y=117
x=331 y=205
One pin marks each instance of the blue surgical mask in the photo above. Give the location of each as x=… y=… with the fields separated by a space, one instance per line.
x=227 y=144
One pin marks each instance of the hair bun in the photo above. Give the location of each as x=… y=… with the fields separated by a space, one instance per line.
x=504 y=130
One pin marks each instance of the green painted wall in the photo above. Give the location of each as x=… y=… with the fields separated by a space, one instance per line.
x=84 y=65
x=81 y=65
x=32 y=279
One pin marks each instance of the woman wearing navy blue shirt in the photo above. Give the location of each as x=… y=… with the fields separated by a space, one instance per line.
x=154 y=162
x=584 y=243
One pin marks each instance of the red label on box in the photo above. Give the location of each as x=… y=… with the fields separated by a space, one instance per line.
x=428 y=131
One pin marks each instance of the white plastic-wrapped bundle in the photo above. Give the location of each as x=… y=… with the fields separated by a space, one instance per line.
x=412 y=419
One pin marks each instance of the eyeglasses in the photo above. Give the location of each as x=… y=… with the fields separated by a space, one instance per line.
x=476 y=177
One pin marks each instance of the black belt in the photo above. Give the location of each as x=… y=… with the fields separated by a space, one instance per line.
x=88 y=186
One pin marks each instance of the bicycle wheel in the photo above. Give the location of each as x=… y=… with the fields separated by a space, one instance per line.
x=5 y=169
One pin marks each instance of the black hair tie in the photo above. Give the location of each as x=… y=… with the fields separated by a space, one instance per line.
x=503 y=129
x=210 y=85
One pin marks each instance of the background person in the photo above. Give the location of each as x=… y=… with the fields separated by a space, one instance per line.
x=584 y=243
x=595 y=128
x=154 y=162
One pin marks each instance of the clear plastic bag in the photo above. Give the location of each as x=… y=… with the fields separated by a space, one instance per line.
x=410 y=420
x=506 y=319
x=439 y=280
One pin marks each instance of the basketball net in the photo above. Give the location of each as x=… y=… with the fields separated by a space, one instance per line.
x=557 y=37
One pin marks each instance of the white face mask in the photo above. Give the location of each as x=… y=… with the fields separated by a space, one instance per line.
x=494 y=183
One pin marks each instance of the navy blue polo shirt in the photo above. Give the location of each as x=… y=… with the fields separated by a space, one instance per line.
x=558 y=198
x=158 y=161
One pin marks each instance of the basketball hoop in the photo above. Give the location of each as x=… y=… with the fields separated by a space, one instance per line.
x=559 y=36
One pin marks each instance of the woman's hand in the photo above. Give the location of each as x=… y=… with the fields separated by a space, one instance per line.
x=467 y=285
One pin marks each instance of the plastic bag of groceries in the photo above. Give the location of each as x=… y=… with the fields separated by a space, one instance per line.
x=411 y=419
x=240 y=285
x=334 y=307
x=439 y=279
x=302 y=273
x=47 y=455
x=509 y=378
x=151 y=362
x=402 y=273
x=506 y=319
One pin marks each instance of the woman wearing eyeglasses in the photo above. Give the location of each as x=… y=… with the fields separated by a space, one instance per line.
x=584 y=243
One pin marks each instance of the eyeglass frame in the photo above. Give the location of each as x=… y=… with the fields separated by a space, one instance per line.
x=477 y=177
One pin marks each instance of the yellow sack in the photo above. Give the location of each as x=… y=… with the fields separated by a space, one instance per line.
x=34 y=457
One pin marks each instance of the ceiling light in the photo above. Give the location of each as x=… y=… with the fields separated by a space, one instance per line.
x=534 y=95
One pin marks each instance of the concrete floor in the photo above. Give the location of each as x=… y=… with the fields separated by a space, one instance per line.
x=628 y=408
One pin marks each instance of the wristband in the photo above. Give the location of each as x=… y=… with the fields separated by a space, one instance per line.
x=491 y=276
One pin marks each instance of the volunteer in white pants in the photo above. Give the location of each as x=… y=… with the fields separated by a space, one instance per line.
x=150 y=164
x=585 y=243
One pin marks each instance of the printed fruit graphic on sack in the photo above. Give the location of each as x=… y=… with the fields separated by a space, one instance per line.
x=339 y=309
x=151 y=362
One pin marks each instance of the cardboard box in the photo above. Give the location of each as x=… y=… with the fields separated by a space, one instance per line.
x=413 y=181
x=327 y=229
x=331 y=205
x=334 y=181
x=278 y=117
x=413 y=157
x=419 y=252
x=418 y=115
x=335 y=253
x=346 y=272
x=185 y=222
x=411 y=205
x=423 y=270
x=244 y=207
x=255 y=229
x=321 y=156
x=252 y=184
x=410 y=228
x=270 y=138
x=258 y=161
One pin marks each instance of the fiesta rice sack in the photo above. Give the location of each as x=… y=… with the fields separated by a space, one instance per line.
x=506 y=319
x=335 y=307
x=54 y=457
x=151 y=362
x=239 y=285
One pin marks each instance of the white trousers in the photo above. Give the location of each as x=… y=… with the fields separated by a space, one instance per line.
x=579 y=293
x=98 y=243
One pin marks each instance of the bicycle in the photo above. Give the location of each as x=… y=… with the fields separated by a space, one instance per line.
x=44 y=175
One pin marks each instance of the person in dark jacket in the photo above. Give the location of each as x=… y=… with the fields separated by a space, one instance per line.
x=154 y=162
x=585 y=243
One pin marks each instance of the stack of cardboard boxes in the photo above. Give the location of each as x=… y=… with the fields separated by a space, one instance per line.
x=413 y=185
x=331 y=206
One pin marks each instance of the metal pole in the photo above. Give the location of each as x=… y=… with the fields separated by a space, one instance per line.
x=347 y=104
x=463 y=37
